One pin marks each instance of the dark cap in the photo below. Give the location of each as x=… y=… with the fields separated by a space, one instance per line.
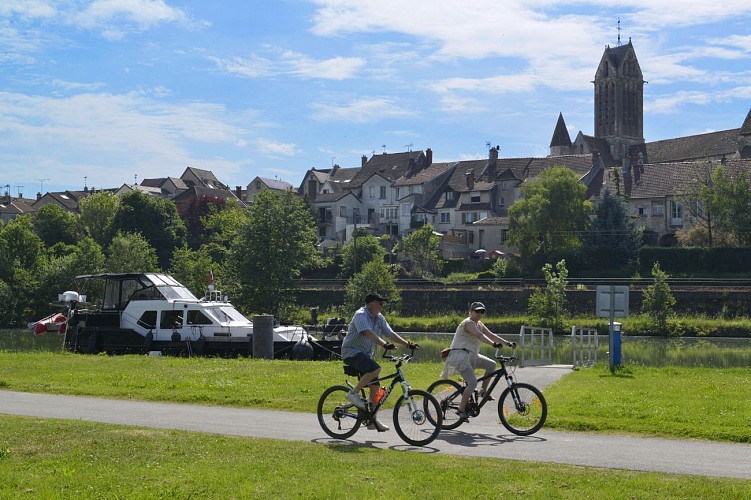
x=374 y=296
x=477 y=306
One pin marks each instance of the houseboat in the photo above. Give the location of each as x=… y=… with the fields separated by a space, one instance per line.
x=154 y=313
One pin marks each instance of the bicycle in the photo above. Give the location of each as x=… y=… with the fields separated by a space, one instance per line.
x=522 y=407
x=417 y=414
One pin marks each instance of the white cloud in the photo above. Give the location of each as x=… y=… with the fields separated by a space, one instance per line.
x=27 y=8
x=290 y=63
x=360 y=111
x=144 y=13
x=275 y=149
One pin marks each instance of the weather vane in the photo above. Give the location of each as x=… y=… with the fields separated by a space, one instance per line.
x=619 y=31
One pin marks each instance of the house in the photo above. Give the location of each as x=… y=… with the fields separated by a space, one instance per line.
x=261 y=183
x=169 y=186
x=67 y=200
x=10 y=207
x=129 y=188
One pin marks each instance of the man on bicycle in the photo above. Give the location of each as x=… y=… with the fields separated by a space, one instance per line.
x=367 y=327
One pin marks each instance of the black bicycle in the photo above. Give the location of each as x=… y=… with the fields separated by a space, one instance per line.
x=521 y=407
x=417 y=414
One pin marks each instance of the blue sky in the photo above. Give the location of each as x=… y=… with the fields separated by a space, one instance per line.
x=104 y=92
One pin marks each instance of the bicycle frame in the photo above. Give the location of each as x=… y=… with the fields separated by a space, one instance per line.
x=396 y=378
x=496 y=376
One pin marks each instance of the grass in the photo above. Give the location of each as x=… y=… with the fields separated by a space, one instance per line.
x=699 y=403
x=75 y=459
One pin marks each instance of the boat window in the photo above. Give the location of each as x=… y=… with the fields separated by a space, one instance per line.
x=233 y=313
x=150 y=293
x=171 y=320
x=148 y=320
x=178 y=292
x=198 y=318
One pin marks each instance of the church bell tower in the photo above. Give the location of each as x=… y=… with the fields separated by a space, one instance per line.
x=619 y=100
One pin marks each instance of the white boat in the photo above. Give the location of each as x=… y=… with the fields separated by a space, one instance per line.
x=153 y=312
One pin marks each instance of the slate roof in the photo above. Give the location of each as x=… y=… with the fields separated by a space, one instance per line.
x=391 y=166
x=560 y=135
x=693 y=147
x=425 y=175
x=276 y=184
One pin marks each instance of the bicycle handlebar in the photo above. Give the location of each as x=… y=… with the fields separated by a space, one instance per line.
x=404 y=357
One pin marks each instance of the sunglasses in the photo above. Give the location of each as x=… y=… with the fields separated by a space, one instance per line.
x=480 y=311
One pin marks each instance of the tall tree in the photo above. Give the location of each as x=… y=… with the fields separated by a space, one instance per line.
x=195 y=215
x=423 y=247
x=154 y=218
x=733 y=204
x=55 y=225
x=552 y=213
x=275 y=244
x=131 y=253
x=613 y=230
x=97 y=212
x=360 y=250
x=192 y=268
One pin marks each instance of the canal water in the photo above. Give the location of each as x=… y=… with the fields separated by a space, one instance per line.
x=649 y=351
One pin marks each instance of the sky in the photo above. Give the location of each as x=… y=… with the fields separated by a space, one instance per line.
x=99 y=93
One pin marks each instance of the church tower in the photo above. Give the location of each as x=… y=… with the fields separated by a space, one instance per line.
x=619 y=100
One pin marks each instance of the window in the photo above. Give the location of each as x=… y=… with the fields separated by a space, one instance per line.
x=342 y=211
x=171 y=319
x=502 y=202
x=658 y=209
x=406 y=208
x=450 y=195
x=504 y=185
x=676 y=213
x=258 y=185
x=504 y=235
x=371 y=191
x=383 y=193
x=398 y=193
x=642 y=211
x=198 y=318
x=445 y=217
x=148 y=320
x=475 y=198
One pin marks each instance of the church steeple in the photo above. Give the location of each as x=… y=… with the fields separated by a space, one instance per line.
x=619 y=99
x=560 y=144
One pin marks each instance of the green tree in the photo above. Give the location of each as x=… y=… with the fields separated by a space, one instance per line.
x=613 y=231
x=733 y=204
x=375 y=277
x=97 y=213
x=552 y=213
x=22 y=256
x=423 y=247
x=131 y=253
x=658 y=301
x=359 y=251
x=195 y=215
x=192 y=267
x=547 y=306
x=154 y=218
x=55 y=225
x=277 y=242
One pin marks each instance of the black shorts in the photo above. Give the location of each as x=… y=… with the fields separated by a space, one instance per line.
x=362 y=363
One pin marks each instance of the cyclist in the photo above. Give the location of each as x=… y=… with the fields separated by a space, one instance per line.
x=465 y=356
x=367 y=327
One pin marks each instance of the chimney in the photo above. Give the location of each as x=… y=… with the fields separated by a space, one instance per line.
x=429 y=156
x=334 y=168
x=39 y=196
x=239 y=192
x=85 y=189
x=363 y=161
x=470 y=179
x=723 y=160
x=492 y=162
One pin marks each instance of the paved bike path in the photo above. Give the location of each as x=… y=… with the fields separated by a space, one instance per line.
x=480 y=437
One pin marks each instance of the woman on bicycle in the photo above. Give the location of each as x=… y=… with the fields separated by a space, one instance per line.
x=465 y=355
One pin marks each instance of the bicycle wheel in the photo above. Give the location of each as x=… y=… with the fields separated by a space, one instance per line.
x=522 y=409
x=417 y=417
x=338 y=417
x=449 y=395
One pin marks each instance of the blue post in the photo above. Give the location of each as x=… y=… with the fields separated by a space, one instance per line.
x=615 y=345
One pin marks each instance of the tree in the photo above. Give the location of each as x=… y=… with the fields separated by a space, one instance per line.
x=154 y=218
x=273 y=246
x=195 y=215
x=97 y=213
x=552 y=213
x=423 y=247
x=375 y=277
x=613 y=231
x=55 y=225
x=131 y=253
x=22 y=256
x=733 y=204
x=658 y=300
x=192 y=267
x=548 y=306
x=360 y=250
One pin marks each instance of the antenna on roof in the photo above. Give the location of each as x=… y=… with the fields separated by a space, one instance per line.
x=41 y=185
x=384 y=149
x=619 y=31
x=135 y=179
x=487 y=144
x=18 y=190
x=332 y=160
x=409 y=147
x=84 y=181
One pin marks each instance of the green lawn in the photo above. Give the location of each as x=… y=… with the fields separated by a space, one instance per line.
x=74 y=459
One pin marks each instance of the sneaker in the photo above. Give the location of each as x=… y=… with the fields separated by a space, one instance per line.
x=356 y=400
x=462 y=416
x=375 y=425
